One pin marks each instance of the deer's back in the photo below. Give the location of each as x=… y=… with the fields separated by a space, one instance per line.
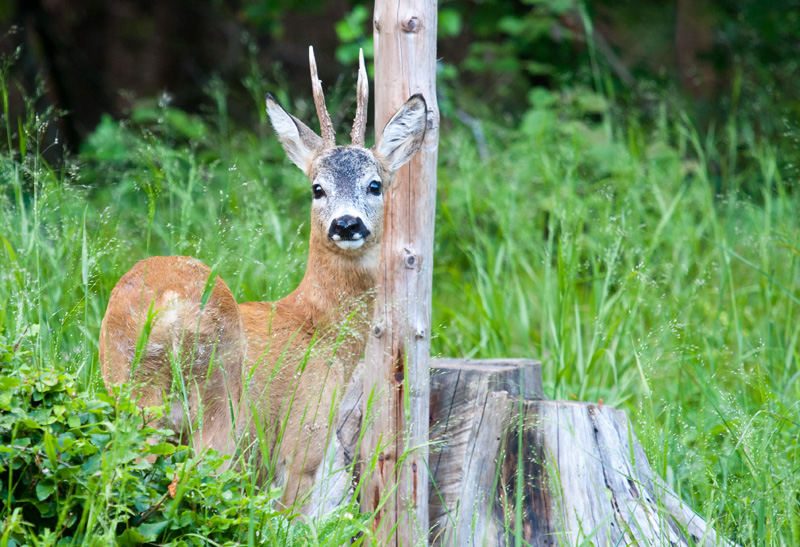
x=158 y=306
x=272 y=357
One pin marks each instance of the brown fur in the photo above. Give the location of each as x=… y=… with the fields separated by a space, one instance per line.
x=174 y=286
x=272 y=339
x=260 y=365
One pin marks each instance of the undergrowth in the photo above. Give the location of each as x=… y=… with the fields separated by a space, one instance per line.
x=74 y=471
x=647 y=265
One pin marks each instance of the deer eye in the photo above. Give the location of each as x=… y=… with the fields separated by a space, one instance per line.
x=375 y=188
x=317 y=190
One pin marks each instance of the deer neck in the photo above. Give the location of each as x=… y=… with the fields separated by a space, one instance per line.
x=335 y=284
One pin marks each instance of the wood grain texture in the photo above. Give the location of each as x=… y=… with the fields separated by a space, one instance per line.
x=547 y=473
x=396 y=377
x=472 y=406
x=511 y=468
x=587 y=479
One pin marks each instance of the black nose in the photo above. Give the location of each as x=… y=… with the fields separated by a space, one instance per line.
x=347 y=228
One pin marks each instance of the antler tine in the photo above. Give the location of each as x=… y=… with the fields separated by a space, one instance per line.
x=358 y=134
x=325 y=125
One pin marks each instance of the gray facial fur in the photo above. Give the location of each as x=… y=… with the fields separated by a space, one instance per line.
x=345 y=173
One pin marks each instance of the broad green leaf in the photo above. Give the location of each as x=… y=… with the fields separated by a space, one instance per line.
x=5 y=400
x=151 y=531
x=162 y=449
x=44 y=489
x=51 y=448
x=131 y=537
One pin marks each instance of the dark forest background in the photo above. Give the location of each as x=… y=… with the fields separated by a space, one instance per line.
x=90 y=57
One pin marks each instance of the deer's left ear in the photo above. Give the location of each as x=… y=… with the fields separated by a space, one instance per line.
x=300 y=143
x=403 y=135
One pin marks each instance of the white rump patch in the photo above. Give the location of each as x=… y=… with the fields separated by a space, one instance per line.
x=171 y=313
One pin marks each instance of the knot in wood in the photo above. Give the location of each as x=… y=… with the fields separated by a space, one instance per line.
x=409 y=258
x=377 y=24
x=412 y=24
x=378 y=330
x=432 y=120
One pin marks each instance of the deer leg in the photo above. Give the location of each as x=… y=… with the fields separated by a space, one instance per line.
x=308 y=430
x=308 y=453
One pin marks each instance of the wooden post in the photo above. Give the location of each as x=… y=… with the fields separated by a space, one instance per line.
x=398 y=350
x=511 y=468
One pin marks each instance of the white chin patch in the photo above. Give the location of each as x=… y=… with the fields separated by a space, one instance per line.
x=350 y=245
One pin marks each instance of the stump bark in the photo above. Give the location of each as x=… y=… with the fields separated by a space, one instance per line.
x=511 y=468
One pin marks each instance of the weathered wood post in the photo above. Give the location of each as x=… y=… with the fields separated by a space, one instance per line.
x=398 y=351
x=512 y=468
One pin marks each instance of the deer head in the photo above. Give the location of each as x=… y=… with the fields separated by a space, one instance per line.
x=348 y=182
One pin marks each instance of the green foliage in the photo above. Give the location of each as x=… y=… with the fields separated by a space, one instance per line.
x=641 y=279
x=267 y=15
x=493 y=51
x=509 y=41
x=73 y=471
x=646 y=263
x=352 y=36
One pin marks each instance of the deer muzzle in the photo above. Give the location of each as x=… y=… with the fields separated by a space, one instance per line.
x=348 y=228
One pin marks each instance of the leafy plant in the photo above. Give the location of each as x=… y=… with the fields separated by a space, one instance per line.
x=75 y=469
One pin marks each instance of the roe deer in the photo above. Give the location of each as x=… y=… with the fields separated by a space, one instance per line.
x=229 y=371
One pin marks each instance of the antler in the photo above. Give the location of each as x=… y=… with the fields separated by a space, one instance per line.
x=362 y=95
x=325 y=125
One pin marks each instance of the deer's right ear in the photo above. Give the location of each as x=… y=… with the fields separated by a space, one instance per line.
x=300 y=143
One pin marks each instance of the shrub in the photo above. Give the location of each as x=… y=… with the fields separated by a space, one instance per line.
x=73 y=471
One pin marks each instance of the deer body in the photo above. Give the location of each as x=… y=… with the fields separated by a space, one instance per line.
x=236 y=374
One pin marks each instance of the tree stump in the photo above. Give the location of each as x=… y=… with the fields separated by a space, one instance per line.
x=466 y=421
x=510 y=468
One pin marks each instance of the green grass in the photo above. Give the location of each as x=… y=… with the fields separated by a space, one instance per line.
x=639 y=279
x=648 y=266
